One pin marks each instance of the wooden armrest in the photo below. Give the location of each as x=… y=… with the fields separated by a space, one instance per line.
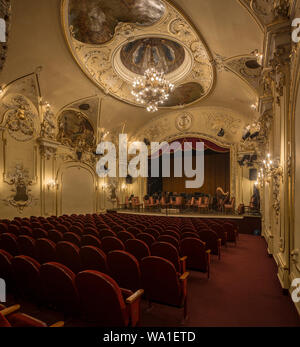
x=58 y=325
x=208 y=251
x=184 y=276
x=183 y=258
x=135 y=296
x=9 y=310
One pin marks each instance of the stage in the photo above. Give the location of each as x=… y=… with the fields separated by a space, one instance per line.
x=247 y=223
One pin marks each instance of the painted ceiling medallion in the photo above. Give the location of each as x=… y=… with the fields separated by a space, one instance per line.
x=112 y=39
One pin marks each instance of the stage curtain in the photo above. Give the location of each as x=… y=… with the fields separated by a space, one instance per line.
x=217 y=174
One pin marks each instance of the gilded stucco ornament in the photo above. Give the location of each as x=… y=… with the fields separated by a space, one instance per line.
x=21 y=182
x=20 y=118
x=97 y=47
x=184 y=121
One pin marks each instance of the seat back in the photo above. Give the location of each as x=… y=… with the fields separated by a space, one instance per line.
x=6 y=268
x=45 y=251
x=211 y=240
x=14 y=229
x=26 y=271
x=72 y=238
x=93 y=258
x=125 y=269
x=107 y=309
x=155 y=233
x=167 y=251
x=55 y=235
x=40 y=233
x=139 y=249
x=68 y=254
x=63 y=294
x=8 y=242
x=160 y=281
x=111 y=243
x=195 y=250
x=26 y=245
x=147 y=238
x=189 y=234
x=125 y=235
x=169 y=239
x=90 y=240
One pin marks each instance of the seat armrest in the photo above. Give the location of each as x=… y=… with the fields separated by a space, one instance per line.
x=183 y=264
x=60 y=324
x=133 y=303
x=135 y=296
x=9 y=310
x=184 y=276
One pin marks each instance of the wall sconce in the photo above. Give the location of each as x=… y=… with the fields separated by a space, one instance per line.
x=51 y=185
x=271 y=168
x=104 y=186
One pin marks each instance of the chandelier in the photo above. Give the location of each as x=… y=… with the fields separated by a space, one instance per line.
x=152 y=89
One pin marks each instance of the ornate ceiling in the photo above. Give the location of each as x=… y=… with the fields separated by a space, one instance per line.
x=114 y=41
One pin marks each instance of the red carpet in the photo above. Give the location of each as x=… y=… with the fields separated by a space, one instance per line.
x=243 y=291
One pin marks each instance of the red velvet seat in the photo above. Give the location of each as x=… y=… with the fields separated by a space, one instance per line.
x=63 y=295
x=62 y=228
x=8 y=242
x=147 y=238
x=111 y=243
x=172 y=233
x=167 y=251
x=218 y=229
x=189 y=234
x=26 y=245
x=125 y=269
x=135 y=231
x=6 y=269
x=45 y=251
x=3 y=228
x=91 y=231
x=170 y=239
x=55 y=235
x=213 y=242
x=109 y=308
x=90 y=240
x=48 y=226
x=68 y=254
x=163 y=284
x=26 y=272
x=14 y=229
x=76 y=230
x=155 y=233
x=4 y=323
x=93 y=258
x=25 y=230
x=137 y=248
x=231 y=232
x=125 y=235
x=40 y=233
x=106 y=233
x=73 y=238
x=198 y=258
x=117 y=228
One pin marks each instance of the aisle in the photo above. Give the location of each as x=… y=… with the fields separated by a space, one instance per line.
x=243 y=291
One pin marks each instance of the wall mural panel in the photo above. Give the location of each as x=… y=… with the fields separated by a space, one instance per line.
x=75 y=131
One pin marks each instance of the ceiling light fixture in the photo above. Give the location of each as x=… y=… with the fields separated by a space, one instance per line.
x=152 y=89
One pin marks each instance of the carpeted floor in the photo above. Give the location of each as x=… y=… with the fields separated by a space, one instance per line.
x=243 y=291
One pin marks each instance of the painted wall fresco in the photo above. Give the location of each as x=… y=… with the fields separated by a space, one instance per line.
x=185 y=94
x=75 y=130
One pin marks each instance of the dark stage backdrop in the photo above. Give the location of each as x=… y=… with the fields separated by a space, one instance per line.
x=217 y=174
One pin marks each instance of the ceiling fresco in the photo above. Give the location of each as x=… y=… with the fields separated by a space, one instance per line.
x=94 y=21
x=114 y=41
x=164 y=54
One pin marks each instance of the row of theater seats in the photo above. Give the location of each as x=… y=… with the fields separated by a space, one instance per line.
x=10 y=317
x=113 y=233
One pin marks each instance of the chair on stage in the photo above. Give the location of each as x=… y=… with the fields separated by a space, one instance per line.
x=136 y=204
x=203 y=204
x=191 y=203
x=230 y=207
